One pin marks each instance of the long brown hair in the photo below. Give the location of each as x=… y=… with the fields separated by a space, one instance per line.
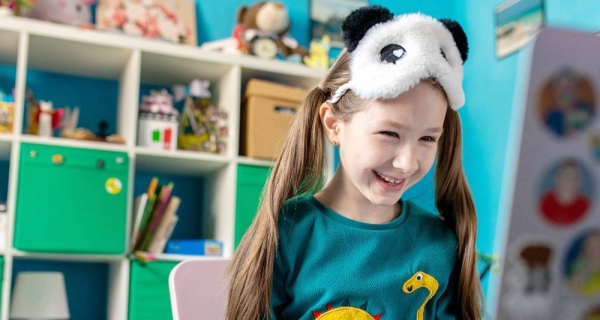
x=299 y=170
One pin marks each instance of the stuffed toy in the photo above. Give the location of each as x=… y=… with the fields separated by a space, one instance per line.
x=262 y=30
x=72 y=12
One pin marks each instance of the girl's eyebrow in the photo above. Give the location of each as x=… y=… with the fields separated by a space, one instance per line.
x=388 y=122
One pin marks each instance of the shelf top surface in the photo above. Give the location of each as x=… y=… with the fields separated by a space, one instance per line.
x=112 y=47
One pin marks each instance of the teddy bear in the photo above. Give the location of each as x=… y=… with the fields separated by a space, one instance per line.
x=262 y=30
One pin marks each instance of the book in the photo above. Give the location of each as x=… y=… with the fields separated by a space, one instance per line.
x=157 y=214
x=139 y=208
x=151 y=193
x=165 y=228
x=197 y=247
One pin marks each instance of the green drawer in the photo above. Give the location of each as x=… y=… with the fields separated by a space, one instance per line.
x=71 y=200
x=250 y=183
x=149 y=297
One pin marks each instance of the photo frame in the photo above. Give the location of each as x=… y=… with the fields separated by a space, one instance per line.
x=326 y=17
x=517 y=23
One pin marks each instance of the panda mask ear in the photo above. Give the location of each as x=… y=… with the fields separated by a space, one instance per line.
x=390 y=55
x=460 y=37
x=359 y=21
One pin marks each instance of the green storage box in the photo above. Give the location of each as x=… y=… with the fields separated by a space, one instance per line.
x=149 y=297
x=71 y=200
x=250 y=183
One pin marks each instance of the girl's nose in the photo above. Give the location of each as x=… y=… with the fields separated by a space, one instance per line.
x=406 y=159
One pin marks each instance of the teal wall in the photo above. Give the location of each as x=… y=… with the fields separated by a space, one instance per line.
x=216 y=20
x=489 y=85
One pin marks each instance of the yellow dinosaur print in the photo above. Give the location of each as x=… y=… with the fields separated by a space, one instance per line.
x=421 y=280
x=345 y=313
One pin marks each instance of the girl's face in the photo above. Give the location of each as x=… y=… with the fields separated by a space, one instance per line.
x=390 y=145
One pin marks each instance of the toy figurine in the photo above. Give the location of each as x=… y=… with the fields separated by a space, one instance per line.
x=319 y=54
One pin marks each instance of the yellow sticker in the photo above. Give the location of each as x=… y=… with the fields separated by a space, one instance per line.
x=113 y=185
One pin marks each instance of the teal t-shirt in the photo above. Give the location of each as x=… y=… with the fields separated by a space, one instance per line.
x=329 y=267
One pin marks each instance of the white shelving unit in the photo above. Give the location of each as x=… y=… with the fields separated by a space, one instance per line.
x=31 y=44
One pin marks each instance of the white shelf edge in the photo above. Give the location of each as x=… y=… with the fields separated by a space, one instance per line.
x=255 y=162
x=183 y=155
x=7 y=137
x=63 y=142
x=128 y=42
x=68 y=257
x=181 y=257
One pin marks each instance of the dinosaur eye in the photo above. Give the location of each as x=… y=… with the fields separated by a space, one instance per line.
x=419 y=277
x=391 y=53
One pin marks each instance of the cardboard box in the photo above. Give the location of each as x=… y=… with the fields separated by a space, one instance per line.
x=267 y=115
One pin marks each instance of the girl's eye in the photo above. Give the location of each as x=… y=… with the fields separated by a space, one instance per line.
x=389 y=133
x=428 y=139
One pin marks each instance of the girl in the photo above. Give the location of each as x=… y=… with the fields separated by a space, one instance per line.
x=354 y=249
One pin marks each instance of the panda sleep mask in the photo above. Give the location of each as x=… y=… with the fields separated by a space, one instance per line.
x=390 y=55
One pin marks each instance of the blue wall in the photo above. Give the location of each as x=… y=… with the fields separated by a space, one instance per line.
x=216 y=21
x=489 y=85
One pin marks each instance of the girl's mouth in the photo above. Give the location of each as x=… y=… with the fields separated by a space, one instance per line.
x=391 y=183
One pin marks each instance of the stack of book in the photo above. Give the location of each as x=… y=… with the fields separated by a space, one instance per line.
x=155 y=217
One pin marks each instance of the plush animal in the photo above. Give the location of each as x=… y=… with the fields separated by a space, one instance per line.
x=262 y=29
x=72 y=12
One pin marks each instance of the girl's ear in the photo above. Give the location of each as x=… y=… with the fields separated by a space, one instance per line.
x=330 y=122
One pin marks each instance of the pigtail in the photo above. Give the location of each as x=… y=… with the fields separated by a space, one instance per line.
x=298 y=170
x=455 y=203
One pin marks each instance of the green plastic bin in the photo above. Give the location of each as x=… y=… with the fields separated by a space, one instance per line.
x=250 y=183
x=71 y=200
x=149 y=297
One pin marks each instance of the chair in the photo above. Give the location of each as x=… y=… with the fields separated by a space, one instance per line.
x=198 y=289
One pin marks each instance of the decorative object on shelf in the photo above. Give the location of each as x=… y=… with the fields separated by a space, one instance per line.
x=48 y=118
x=69 y=130
x=318 y=57
x=69 y=121
x=158 y=102
x=70 y=12
x=7 y=106
x=204 y=126
x=326 y=18
x=42 y=118
x=39 y=295
x=517 y=23
x=14 y=7
x=262 y=30
x=158 y=121
x=157 y=131
x=169 y=20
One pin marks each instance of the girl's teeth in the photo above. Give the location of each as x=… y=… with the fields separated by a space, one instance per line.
x=391 y=181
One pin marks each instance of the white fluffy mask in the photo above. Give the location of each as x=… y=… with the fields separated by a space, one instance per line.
x=394 y=54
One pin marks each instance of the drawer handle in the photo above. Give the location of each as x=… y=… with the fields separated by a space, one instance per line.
x=284 y=110
x=58 y=159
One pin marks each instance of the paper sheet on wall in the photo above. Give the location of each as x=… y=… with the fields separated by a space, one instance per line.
x=551 y=259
